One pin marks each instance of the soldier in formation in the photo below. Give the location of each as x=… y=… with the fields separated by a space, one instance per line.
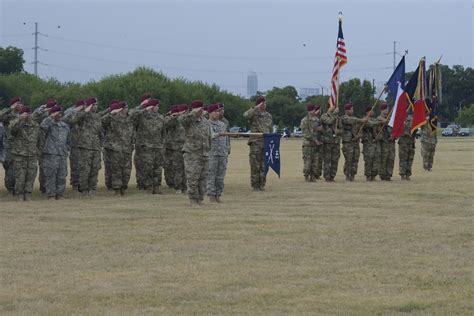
x=260 y=122
x=23 y=148
x=351 y=135
x=428 y=146
x=312 y=142
x=386 y=145
x=196 y=151
x=149 y=126
x=406 y=149
x=6 y=117
x=370 y=146
x=331 y=139
x=218 y=153
x=55 y=144
x=119 y=140
x=177 y=136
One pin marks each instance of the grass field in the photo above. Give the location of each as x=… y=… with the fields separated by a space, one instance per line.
x=298 y=248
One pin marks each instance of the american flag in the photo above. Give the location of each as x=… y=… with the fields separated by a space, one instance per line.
x=339 y=61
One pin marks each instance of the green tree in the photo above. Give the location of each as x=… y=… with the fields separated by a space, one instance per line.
x=11 y=60
x=360 y=94
x=466 y=116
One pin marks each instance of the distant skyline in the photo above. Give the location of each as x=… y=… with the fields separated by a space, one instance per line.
x=284 y=42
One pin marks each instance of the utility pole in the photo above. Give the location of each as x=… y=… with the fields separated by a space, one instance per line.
x=373 y=87
x=394 y=54
x=36 y=49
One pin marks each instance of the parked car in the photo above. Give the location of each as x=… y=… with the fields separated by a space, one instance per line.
x=286 y=133
x=464 y=132
x=455 y=128
x=298 y=133
x=448 y=132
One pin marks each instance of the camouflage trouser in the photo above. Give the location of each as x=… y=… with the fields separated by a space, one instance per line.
x=387 y=159
x=406 y=153
x=120 y=168
x=197 y=169
x=168 y=167
x=331 y=159
x=74 y=166
x=351 y=152
x=427 y=152
x=24 y=171
x=89 y=166
x=55 y=173
x=148 y=167
x=9 y=174
x=319 y=168
x=310 y=161
x=215 y=180
x=179 y=180
x=371 y=152
x=258 y=178
x=41 y=177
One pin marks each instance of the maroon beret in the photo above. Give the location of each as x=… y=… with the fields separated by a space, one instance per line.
x=91 y=100
x=122 y=104
x=55 y=108
x=368 y=108
x=197 y=104
x=212 y=108
x=174 y=109
x=348 y=106
x=50 y=103
x=151 y=102
x=183 y=107
x=79 y=103
x=115 y=106
x=15 y=100
x=310 y=107
x=383 y=106
x=259 y=100
x=317 y=107
x=25 y=109
x=144 y=98
x=114 y=101
x=220 y=105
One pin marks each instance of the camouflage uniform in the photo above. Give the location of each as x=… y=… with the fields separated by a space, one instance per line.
x=108 y=181
x=406 y=150
x=6 y=117
x=149 y=148
x=74 y=150
x=260 y=122
x=312 y=144
x=386 y=147
x=331 y=146
x=169 y=154
x=39 y=115
x=428 y=146
x=178 y=136
x=89 y=144
x=371 y=149
x=55 y=145
x=350 y=145
x=2 y=146
x=24 y=152
x=118 y=144
x=196 y=154
x=217 y=159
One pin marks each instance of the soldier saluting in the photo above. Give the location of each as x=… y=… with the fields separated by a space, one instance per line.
x=260 y=122
x=331 y=139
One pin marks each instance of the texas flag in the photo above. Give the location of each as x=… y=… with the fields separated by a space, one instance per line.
x=399 y=113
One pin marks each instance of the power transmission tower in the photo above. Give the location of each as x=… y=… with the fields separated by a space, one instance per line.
x=394 y=54
x=36 y=49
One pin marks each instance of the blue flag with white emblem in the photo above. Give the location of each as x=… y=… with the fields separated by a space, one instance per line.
x=271 y=147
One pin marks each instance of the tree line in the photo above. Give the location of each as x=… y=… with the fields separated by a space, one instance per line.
x=284 y=103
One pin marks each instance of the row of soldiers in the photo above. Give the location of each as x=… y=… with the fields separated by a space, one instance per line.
x=324 y=133
x=187 y=144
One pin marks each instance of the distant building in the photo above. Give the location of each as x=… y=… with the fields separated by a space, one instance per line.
x=252 y=84
x=307 y=92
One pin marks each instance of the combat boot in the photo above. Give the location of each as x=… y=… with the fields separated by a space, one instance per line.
x=59 y=197
x=27 y=197
x=407 y=178
x=312 y=179
x=218 y=199
x=306 y=178
x=403 y=178
x=156 y=190
x=212 y=199
x=122 y=192
x=194 y=203
x=20 y=197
